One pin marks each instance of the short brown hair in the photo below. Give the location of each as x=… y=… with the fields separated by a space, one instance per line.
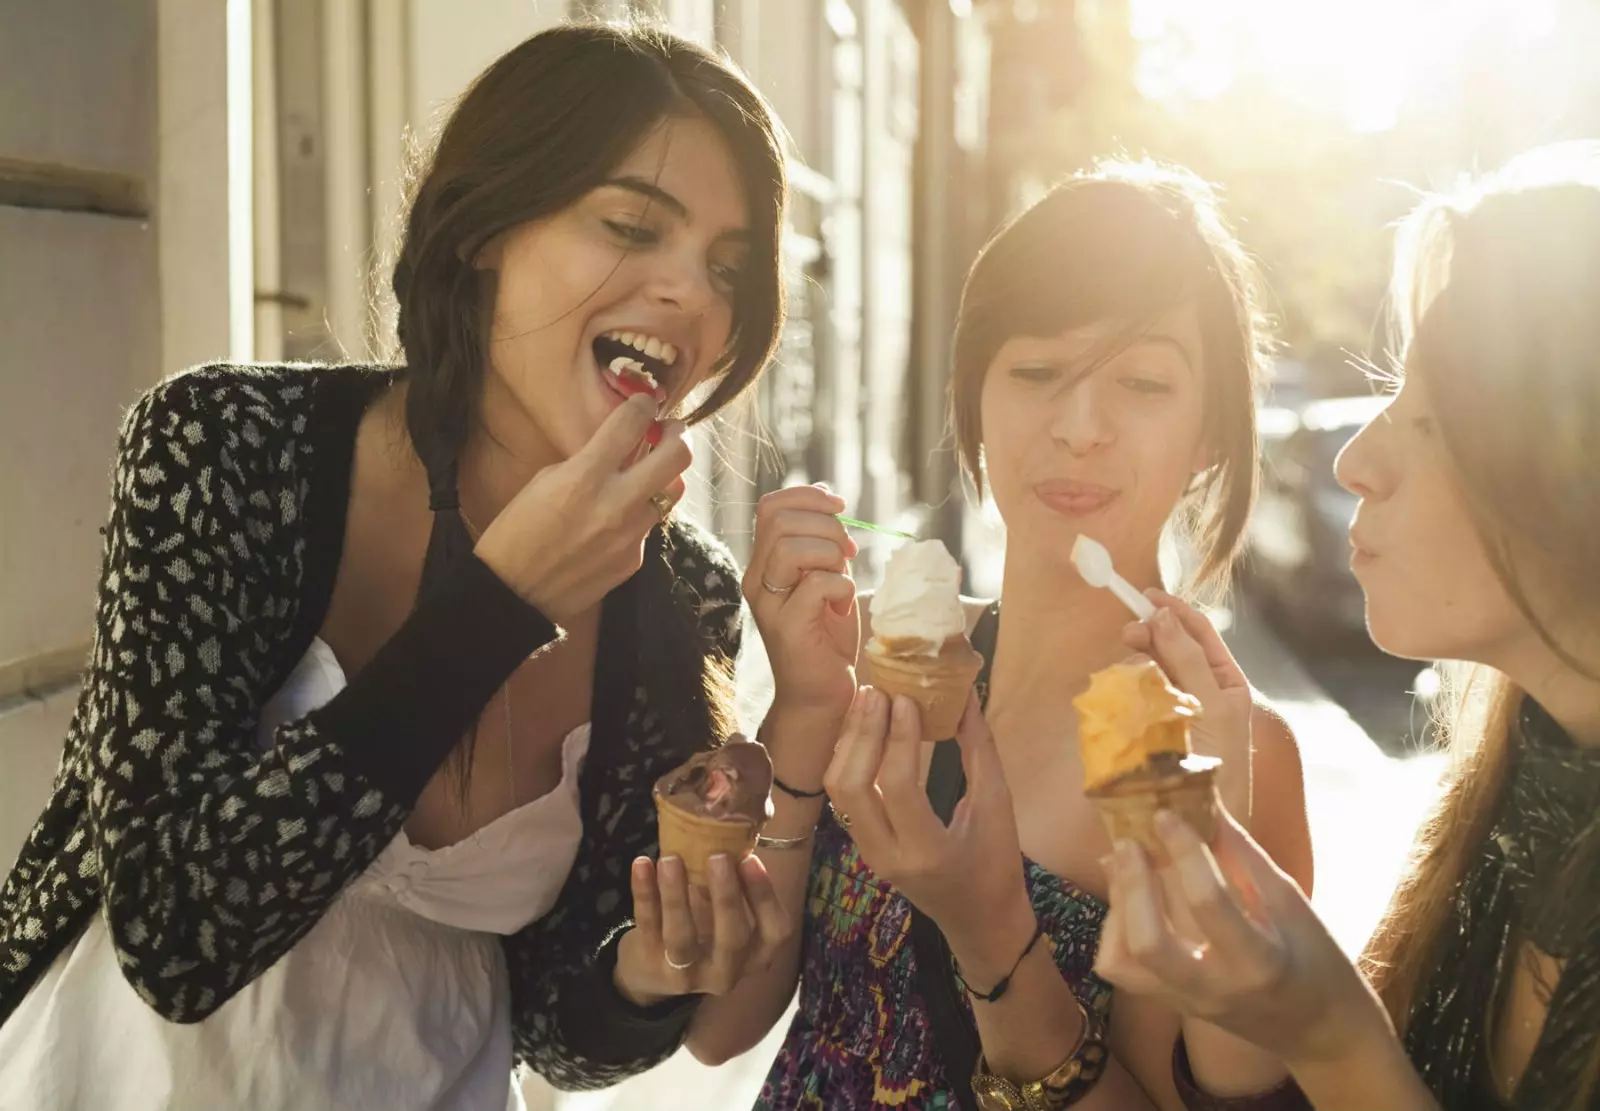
x=1126 y=243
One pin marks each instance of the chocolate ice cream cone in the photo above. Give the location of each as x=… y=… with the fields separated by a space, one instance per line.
x=697 y=838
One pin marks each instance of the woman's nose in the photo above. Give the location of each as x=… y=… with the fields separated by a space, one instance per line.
x=1081 y=422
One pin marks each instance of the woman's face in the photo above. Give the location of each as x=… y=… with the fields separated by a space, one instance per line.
x=1108 y=453
x=641 y=268
x=1432 y=593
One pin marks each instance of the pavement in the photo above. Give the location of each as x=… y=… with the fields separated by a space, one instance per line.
x=1363 y=804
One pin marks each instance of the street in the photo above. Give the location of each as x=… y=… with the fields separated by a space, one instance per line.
x=1365 y=799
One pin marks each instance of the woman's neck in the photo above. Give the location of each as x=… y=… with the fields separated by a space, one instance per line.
x=503 y=452
x=1055 y=632
x=1573 y=700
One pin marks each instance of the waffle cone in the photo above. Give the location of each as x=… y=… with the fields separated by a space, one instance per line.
x=939 y=684
x=1128 y=806
x=696 y=838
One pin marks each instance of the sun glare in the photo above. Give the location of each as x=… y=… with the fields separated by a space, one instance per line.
x=1362 y=60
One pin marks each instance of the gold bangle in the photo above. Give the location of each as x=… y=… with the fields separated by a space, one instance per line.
x=1066 y=1084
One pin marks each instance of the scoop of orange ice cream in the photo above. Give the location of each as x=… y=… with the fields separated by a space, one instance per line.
x=1129 y=714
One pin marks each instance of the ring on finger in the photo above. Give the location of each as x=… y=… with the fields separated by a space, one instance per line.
x=840 y=816
x=778 y=590
x=663 y=502
x=675 y=966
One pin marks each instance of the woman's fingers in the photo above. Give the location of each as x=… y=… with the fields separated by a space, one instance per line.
x=851 y=779
x=773 y=923
x=730 y=925
x=646 y=899
x=794 y=511
x=899 y=778
x=1233 y=940
x=1267 y=890
x=1181 y=656
x=793 y=558
x=1147 y=933
x=679 y=939
x=1224 y=667
x=1112 y=960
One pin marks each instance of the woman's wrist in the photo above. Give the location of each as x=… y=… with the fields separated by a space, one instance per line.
x=1357 y=1040
x=619 y=978
x=989 y=948
x=800 y=737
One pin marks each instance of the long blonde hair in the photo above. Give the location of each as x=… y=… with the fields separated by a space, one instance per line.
x=1496 y=298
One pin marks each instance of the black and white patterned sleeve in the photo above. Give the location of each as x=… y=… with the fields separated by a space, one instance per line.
x=215 y=856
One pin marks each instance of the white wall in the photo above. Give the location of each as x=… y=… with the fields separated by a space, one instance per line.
x=191 y=215
x=79 y=313
x=94 y=309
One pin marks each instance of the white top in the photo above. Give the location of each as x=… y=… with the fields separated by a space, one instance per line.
x=397 y=999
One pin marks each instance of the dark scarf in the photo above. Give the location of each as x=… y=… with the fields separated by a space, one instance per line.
x=1536 y=877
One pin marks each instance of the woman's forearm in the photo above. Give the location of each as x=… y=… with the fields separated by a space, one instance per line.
x=1225 y=1065
x=1374 y=1073
x=1037 y=1023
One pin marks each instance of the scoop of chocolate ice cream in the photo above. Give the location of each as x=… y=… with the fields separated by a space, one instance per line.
x=733 y=783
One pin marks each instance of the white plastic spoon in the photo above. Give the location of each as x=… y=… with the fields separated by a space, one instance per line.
x=1094 y=564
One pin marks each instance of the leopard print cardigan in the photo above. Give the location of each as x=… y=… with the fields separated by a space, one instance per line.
x=211 y=858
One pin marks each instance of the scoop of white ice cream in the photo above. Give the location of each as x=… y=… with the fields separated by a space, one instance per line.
x=918 y=606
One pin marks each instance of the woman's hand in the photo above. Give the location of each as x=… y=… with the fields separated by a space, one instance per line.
x=686 y=940
x=1263 y=967
x=1191 y=651
x=576 y=531
x=968 y=876
x=800 y=592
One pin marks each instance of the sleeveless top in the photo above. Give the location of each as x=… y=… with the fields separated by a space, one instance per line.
x=397 y=998
x=860 y=1038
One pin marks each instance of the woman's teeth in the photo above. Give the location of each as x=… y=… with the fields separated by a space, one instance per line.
x=647 y=345
x=626 y=368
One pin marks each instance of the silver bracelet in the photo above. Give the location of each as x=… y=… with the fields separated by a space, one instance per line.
x=782 y=842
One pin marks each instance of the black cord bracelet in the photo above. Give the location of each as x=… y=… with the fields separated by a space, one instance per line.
x=794 y=794
x=1000 y=988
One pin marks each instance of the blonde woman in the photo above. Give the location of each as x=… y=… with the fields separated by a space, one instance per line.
x=1478 y=539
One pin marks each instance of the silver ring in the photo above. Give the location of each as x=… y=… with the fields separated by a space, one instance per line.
x=663 y=502
x=675 y=966
x=780 y=591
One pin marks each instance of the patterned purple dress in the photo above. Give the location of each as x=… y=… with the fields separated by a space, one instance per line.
x=861 y=1038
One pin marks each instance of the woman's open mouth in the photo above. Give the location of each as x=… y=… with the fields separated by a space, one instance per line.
x=634 y=363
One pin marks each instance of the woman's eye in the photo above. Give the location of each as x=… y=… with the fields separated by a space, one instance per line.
x=1146 y=385
x=1034 y=373
x=726 y=276
x=632 y=234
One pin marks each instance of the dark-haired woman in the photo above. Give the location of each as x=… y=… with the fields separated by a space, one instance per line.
x=352 y=809
x=1103 y=367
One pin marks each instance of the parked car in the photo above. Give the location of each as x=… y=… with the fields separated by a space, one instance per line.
x=1297 y=562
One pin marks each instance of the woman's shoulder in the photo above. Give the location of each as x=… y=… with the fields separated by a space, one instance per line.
x=701 y=560
x=241 y=406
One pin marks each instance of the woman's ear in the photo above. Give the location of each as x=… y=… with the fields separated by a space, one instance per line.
x=488 y=257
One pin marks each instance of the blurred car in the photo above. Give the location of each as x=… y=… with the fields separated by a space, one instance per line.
x=1297 y=563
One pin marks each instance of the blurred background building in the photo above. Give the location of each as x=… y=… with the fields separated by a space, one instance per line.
x=183 y=181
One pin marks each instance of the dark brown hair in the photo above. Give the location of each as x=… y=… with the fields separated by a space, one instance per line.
x=1494 y=293
x=539 y=129
x=1125 y=244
